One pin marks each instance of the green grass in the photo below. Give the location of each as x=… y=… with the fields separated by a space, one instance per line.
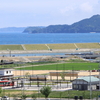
x=72 y=93
x=51 y=46
x=55 y=94
x=11 y=47
x=65 y=66
x=25 y=64
x=88 y=45
x=41 y=83
x=36 y=47
x=62 y=46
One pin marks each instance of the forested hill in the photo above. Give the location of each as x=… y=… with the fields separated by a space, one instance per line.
x=12 y=29
x=84 y=26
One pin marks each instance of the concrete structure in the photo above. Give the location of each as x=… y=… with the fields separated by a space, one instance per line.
x=6 y=73
x=85 y=83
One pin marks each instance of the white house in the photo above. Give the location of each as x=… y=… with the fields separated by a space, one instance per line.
x=6 y=72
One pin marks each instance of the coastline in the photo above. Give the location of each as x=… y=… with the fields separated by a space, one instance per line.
x=47 y=51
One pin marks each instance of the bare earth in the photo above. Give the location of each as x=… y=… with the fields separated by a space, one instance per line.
x=35 y=72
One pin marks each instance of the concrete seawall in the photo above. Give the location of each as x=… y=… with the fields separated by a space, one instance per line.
x=47 y=51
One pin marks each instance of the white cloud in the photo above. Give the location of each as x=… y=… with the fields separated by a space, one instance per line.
x=67 y=9
x=86 y=7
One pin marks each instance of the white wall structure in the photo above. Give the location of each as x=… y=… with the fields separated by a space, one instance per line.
x=6 y=72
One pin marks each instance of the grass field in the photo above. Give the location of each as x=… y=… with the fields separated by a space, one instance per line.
x=36 y=47
x=88 y=45
x=62 y=46
x=51 y=46
x=11 y=47
x=54 y=94
x=65 y=66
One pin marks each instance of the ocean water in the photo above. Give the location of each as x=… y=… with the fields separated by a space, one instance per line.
x=47 y=38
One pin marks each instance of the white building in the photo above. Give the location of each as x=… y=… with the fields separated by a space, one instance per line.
x=6 y=72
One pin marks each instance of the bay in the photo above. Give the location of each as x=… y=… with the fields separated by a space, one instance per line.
x=48 y=38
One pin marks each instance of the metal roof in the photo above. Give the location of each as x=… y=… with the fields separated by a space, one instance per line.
x=89 y=78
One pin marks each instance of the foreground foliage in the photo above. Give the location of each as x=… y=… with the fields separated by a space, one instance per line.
x=54 y=94
x=46 y=90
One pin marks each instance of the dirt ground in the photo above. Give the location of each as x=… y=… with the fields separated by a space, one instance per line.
x=35 y=72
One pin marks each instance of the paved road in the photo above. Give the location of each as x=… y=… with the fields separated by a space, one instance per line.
x=56 y=99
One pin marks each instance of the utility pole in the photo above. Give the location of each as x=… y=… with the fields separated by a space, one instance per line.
x=99 y=77
x=90 y=84
x=9 y=52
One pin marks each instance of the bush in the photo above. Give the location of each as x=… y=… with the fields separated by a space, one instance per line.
x=34 y=96
x=46 y=90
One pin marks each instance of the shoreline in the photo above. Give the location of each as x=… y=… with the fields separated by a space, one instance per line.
x=47 y=51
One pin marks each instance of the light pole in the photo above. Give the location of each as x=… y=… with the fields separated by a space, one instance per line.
x=90 y=84
x=99 y=77
x=9 y=52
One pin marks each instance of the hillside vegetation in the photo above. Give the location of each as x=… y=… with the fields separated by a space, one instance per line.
x=51 y=46
x=84 y=26
x=11 y=47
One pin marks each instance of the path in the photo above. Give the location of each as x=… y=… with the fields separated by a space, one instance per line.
x=47 y=46
x=23 y=46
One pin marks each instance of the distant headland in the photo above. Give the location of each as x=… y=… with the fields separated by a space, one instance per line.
x=89 y=25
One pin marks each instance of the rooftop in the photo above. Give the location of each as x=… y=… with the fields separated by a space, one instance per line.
x=89 y=78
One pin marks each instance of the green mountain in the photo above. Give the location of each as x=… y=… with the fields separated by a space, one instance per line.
x=84 y=26
x=32 y=29
x=12 y=29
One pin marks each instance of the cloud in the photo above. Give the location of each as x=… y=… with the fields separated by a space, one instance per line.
x=86 y=7
x=67 y=9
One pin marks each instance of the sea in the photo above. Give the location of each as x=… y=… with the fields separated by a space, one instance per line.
x=47 y=38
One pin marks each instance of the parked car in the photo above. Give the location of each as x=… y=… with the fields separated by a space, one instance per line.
x=4 y=98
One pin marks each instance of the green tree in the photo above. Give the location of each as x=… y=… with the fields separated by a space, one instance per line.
x=24 y=96
x=46 y=90
x=62 y=74
x=27 y=74
x=2 y=61
x=33 y=96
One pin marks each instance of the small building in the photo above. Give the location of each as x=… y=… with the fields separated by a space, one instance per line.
x=6 y=73
x=85 y=83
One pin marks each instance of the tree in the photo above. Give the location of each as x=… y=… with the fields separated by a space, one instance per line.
x=27 y=74
x=34 y=96
x=46 y=90
x=24 y=96
x=2 y=61
x=62 y=74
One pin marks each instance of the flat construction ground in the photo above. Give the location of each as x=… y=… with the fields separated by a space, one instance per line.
x=39 y=72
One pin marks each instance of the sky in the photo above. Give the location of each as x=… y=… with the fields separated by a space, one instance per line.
x=25 y=13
